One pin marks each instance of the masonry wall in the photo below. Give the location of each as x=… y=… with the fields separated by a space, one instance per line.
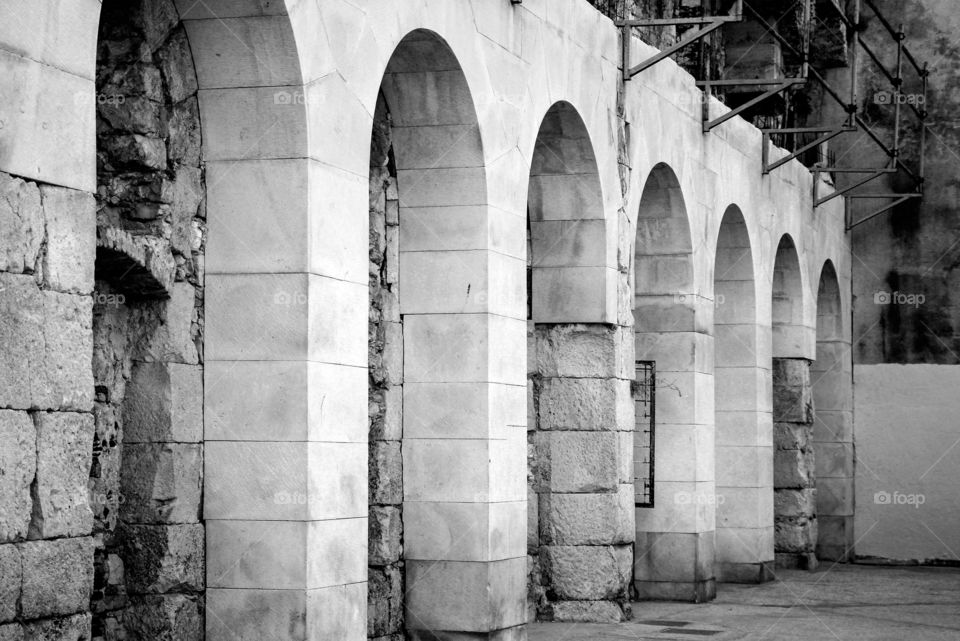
x=385 y=598
x=47 y=416
x=147 y=469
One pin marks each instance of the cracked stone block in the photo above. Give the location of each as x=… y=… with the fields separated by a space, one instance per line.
x=587 y=573
x=48 y=342
x=18 y=460
x=792 y=391
x=176 y=65
x=577 y=350
x=385 y=473
x=168 y=617
x=21 y=224
x=71 y=249
x=163 y=558
x=385 y=601
x=586 y=404
x=72 y=628
x=576 y=462
x=57 y=577
x=61 y=504
x=11 y=576
x=385 y=533
x=164 y=403
x=587 y=519
x=161 y=483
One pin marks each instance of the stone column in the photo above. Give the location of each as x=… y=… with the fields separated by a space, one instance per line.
x=675 y=538
x=795 y=494
x=581 y=472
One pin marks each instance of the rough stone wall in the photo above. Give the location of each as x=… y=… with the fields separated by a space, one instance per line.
x=146 y=473
x=794 y=480
x=46 y=410
x=580 y=438
x=386 y=568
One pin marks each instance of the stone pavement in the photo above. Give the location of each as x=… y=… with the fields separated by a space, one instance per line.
x=846 y=603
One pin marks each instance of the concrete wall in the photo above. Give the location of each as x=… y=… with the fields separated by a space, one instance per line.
x=905 y=419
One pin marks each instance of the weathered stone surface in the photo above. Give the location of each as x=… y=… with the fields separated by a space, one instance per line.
x=21 y=224
x=18 y=460
x=791 y=436
x=792 y=391
x=71 y=218
x=164 y=403
x=173 y=341
x=795 y=502
x=11 y=575
x=581 y=403
x=590 y=573
x=169 y=617
x=72 y=628
x=385 y=532
x=795 y=535
x=586 y=519
x=61 y=504
x=183 y=133
x=793 y=469
x=587 y=612
x=161 y=483
x=384 y=601
x=133 y=264
x=134 y=151
x=386 y=473
x=176 y=65
x=386 y=414
x=577 y=350
x=576 y=462
x=47 y=339
x=11 y=632
x=163 y=558
x=57 y=577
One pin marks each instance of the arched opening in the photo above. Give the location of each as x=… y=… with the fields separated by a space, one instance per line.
x=833 y=423
x=580 y=520
x=743 y=427
x=447 y=314
x=673 y=458
x=794 y=496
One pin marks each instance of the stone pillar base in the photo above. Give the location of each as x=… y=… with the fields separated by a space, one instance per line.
x=745 y=572
x=694 y=592
x=518 y=633
x=798 y=561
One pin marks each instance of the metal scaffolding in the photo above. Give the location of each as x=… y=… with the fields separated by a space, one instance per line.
x=854 y=121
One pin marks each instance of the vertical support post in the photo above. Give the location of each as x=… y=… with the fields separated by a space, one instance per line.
x=923 y=126
x=853 y=107
x=807 y=17
x=625 y=35
x=897 y=98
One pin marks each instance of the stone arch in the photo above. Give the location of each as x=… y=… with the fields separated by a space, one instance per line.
x=460 y=319
x=568 y=244
x=671 y=331
x=743 y=431
x=833 y=419
x=572 y=348
x=789 y=334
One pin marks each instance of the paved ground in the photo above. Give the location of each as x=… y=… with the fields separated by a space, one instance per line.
x=846 y=603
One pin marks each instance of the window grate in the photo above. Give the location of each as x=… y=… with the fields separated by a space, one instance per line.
x=644 y=398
